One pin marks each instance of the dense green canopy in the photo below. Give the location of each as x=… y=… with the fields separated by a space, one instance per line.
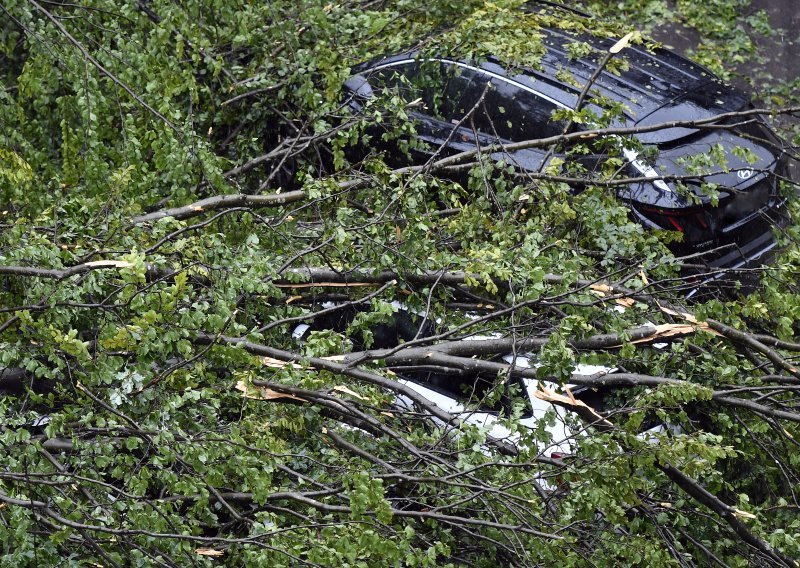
x=181 y=186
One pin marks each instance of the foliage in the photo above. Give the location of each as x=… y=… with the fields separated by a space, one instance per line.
x=156 y=409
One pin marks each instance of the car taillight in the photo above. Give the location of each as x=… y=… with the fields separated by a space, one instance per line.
x=681 y=221
x=561 y=483
x=697 y=225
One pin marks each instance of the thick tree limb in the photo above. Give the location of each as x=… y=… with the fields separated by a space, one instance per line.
x=427 y=277
x=753 y=343
x=221 y=202
x=503 y=345
x=731 y=515
x=63 y=273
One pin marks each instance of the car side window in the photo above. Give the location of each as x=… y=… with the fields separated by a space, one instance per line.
x=400 y=77
x=444 y=89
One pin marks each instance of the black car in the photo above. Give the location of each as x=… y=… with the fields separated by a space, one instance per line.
x=726 y=212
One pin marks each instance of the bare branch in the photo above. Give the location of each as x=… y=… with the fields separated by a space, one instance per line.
x=221 y=202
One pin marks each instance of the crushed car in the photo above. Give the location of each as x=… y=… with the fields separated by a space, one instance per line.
x=725 y=206
x=475 y=398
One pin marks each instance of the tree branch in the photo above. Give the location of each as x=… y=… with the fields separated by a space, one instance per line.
x=221 y=202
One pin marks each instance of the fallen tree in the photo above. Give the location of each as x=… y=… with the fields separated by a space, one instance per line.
x=178 y=198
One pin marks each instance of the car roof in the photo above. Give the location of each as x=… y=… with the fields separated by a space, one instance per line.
x=650 y=84
x=650 y=80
